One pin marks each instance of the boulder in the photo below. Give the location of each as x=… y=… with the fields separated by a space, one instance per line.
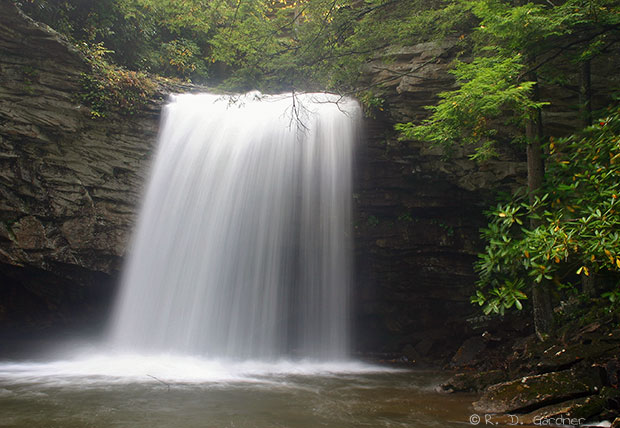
x=470 y=352
x=533 y=392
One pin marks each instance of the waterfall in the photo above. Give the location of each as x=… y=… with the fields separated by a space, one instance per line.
x=243 y=243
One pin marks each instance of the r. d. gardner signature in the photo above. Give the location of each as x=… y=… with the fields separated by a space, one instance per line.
x=559 y=421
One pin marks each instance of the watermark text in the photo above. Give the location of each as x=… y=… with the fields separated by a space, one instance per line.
x=513 y=420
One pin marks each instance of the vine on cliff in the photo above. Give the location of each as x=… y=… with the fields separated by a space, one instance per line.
x=110 y=88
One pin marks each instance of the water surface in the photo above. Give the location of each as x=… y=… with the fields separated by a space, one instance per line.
x=131 y=391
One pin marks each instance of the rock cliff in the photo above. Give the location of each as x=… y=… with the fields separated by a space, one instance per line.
x=419 y=213
x=69 y=184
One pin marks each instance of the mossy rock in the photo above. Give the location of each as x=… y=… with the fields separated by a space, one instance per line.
x=584 y=408
x=558 y=357
x=532 y=392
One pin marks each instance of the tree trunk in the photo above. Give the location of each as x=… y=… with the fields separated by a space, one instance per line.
x=588 y=282
x=585 y=93
x=588 y=285
x=541 y=295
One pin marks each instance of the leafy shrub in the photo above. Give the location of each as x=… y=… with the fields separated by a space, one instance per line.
x=108 y=88
x=577 y=217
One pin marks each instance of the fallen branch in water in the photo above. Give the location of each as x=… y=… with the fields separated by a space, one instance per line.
x=159 y=380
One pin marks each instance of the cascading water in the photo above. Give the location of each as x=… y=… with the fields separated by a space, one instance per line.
x=234 y=305
x=243 y=243
x=240 y=261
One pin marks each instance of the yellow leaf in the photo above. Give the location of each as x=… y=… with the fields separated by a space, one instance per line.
x=579 y=270
x=557 y=259
x=585 y=270
x=527 y=254
x=502 y=214
x=592 y=258
x=618 y=263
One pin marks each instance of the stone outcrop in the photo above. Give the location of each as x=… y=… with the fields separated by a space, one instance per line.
x=573 y=374
x=533 y=392
x=419 y=212
x=69 y=184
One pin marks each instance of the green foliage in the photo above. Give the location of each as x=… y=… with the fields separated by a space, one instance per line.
x=614 y=298
x=578 y=216
x=108 y=88
x=307 y=44
x=183 y=58
x=371 y=104
x=263 y=44
x=489 y=87
x=494 y=88
x=575 y=213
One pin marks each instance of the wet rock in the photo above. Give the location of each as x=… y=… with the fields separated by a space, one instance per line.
x=29 y=234
x=612 y=368
x=470 y=352
x=582 y=409
x=563 y=412
x=532 y=392
x=69 y=184
x=473 y=381
x=419 y=214
x=559 y=356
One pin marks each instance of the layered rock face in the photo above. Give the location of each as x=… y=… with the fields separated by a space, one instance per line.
x=69 y=184
x=419 y=213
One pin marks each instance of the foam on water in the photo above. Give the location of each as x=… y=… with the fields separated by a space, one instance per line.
x=98 y=369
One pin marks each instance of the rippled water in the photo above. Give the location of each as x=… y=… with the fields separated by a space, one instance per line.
x=167 y=391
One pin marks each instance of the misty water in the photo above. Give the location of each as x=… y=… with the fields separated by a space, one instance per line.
x=291 y=396
x=243 y=243
x=234 y=303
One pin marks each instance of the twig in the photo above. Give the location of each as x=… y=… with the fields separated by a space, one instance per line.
x=159 y=380
x=295 y=113
x=562 y=49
